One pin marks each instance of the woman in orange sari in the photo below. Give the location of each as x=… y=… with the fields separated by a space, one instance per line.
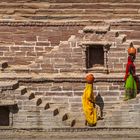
x=88 y=102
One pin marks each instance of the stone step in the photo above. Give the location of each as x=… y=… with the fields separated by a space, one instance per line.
x=45 y=105
x=60 y=106
x=123 y=31
x=25 y=113
x=121 y=39
x=78 y=11
x=65 y=11
x=18 y=69
x=129 y=107
x=136 y=42
x=77 y=16
x=126 y=44
x=112 y=34
x=94 y=5
x=12 y=6
x=43 y=123
x=78 y=117
x=9 y=85
x=119 y=113
x=82 y=5
x=35 y=101
x=89 y=1
x=62 y=116
x=59 y=113
x=69 y=1
x=50 y=112
x=3 y=65
x=121 y=118
x=21 y=90
x=80 y=122
x=52 y=116
x=8 y=102
x=30 y=95
x=109 y=98
x=99 y=69
x=58 y=110
x=122 y=124
x=26 y=96
x=69 y=122
x=32 y=108
x=114 y=92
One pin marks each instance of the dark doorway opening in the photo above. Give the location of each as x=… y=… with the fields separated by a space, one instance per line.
x=4 y=116
x=95 y=56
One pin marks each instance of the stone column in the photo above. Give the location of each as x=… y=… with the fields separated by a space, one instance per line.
x=106 y=48
x=84 y=56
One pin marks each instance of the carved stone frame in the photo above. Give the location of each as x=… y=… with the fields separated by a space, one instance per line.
x=106 y=47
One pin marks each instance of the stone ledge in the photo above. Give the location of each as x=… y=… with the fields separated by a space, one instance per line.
x=102 y=43
x=7 y=102
x=67 y=22
x=62 y=77
x=98 y=29
x=91 y=129
x=8 y=85
x=39 y=23
x=66 y=129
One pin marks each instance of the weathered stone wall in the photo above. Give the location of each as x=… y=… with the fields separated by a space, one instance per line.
x=70 y=10
x=43 y=48
x=50 y=43
x=72 y=1
x=65 y=93
x=21 y=45
x=131 y=32
x=71 y=92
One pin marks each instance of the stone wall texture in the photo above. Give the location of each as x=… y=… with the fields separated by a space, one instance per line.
x=44 y=53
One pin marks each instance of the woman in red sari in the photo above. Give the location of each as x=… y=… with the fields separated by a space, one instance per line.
x=130 y=77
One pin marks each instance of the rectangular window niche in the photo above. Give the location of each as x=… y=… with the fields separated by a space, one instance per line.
x=96 y=58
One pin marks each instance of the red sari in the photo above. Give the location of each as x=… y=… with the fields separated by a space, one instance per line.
x=130 y=79
x=130 y=67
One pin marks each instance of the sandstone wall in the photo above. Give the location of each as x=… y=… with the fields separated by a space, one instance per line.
x=57 y=48
x=21 y=45
x=68 y=95
x=72 y=1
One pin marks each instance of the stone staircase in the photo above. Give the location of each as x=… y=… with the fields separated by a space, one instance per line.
x=3 y=65
x=34 y=110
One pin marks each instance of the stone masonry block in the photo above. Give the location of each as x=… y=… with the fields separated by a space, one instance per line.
x=75 y=100
x=61 y=99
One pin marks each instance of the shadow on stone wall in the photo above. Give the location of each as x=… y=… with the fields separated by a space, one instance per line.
x=99 y=101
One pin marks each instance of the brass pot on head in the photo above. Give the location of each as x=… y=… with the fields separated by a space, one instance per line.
x=132 y=50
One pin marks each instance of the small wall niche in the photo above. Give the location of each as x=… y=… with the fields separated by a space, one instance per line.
x=4 y=116
x=95 y=56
